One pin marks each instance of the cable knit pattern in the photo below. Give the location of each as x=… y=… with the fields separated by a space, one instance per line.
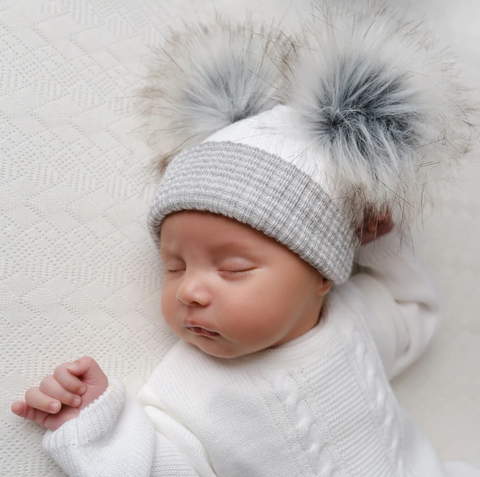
x=303 y=422
x=320 y=405
x=383 y=398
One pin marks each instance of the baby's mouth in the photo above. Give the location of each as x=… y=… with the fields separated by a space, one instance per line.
x=198 y=330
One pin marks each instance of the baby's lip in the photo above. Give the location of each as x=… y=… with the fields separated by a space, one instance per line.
x=199 y=329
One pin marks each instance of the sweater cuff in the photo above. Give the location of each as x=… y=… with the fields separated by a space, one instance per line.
x=92 y=423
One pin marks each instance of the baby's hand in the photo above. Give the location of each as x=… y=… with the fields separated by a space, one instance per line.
x=374 y=227
x=60 y=397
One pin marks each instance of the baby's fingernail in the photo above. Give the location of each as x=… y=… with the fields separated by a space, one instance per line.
x=76 y=402
x=82 y=390
x=54 y=407
x=73 y=366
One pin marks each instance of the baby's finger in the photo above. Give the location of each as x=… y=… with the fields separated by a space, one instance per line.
x=54 y=421
x=22 y=409
x=38 y=400
x=90 y=372
x=51 y=387
x=66 y=379
x=83 y=366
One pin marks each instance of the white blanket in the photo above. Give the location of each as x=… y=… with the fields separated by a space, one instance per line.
x=78 y=272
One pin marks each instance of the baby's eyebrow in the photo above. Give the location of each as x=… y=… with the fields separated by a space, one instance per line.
x=165 y=250
x=242 y=246
x=220 y=246
x=231 y=245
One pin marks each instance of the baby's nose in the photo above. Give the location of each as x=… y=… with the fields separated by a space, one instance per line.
x=193 y=290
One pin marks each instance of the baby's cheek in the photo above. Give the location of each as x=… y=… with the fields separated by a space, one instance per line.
x=255 y=329
x=168 y=307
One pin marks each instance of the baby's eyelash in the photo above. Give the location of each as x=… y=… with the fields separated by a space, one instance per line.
x=238 y=271
x=224 y=271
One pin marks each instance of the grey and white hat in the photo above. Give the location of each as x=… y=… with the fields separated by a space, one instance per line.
x=300 y=139
x=252 y=171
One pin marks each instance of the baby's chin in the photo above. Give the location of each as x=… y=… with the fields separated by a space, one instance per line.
x=216 y=350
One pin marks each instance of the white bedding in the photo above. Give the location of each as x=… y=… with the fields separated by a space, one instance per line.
x=78 y=272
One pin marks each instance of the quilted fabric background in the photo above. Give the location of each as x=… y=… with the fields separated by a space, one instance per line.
x=78 y=272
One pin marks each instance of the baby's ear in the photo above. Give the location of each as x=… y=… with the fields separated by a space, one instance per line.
x=324 y=287
x=374 y=226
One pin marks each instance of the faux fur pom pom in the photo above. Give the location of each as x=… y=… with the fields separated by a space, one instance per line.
x=207 y=77
x=382 y=105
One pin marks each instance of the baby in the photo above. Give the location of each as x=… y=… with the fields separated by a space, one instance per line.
x=285 y=164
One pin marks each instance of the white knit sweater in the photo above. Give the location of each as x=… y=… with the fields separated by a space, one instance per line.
x=320 y=405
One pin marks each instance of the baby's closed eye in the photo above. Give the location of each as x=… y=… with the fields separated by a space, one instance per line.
x=173 y=267
x=236 y=265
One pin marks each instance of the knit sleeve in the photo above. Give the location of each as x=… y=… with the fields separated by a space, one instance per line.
x=404 y=298
x=115 y=436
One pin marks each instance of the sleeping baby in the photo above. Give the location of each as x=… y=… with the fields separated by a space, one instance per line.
x=292 y=169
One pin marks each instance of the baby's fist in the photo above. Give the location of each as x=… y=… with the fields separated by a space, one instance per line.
x=61 y=396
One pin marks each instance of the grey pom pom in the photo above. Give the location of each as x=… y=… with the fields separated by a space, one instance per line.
x=381 y=104
x=207 y=77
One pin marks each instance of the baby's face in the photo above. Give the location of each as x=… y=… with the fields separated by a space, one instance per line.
x=230 y=290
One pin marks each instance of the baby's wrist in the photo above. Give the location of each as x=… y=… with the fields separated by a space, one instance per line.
x=104 y=409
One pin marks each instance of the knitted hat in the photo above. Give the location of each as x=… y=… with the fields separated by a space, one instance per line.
x=300 y=139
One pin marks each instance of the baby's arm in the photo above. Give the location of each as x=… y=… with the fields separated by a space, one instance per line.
x=108 y=433
x=405 y=301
